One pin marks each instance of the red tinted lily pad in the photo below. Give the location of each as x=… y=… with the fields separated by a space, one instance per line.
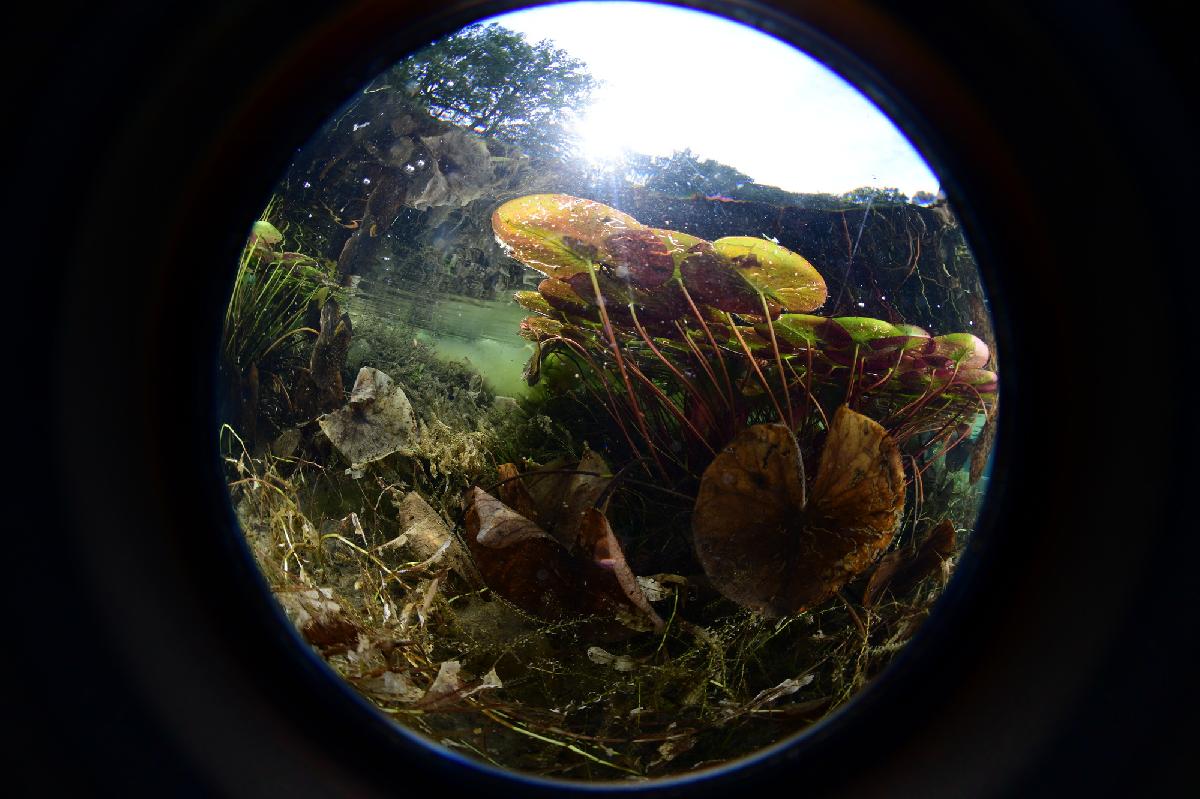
x=776 y=271
x=770 y=545
x=640 y=257
x=712 y=279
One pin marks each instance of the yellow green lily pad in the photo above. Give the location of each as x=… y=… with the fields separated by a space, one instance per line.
x=776 y=271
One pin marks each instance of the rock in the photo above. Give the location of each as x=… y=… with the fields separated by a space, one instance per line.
x=285 y=444
x=506 y=404
x=377 y=421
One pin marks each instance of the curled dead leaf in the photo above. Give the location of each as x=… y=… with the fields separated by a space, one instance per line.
x=900 y=571
x=568 y=562
x=767 y=544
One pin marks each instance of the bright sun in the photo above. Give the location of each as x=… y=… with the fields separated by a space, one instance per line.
x=605 y=133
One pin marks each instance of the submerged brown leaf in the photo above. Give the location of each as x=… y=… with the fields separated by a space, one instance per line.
x=900 y=571
x=768 y=546
x=549 y=549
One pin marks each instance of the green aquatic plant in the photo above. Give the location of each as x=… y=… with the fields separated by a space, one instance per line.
x=723 y=383
x=274 y=295
x=272 y=292
x=685 y=339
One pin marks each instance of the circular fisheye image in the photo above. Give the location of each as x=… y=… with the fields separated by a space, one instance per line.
x=601 y=406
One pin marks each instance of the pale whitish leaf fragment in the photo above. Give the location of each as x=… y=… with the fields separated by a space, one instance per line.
x=446 y=682
x=598 y=655
x=393 y=685
x=653 y=589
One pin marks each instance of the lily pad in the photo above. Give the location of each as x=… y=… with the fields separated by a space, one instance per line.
x=776 y=271
x=540 y=328
x=900 y=571
x=557 y=234
x=798 y=331
x=963 y=349
x=770 y=545
x=713 y=280
x=863 y=330
x=561 y=296
x=640 y=257
x=533 y=301
x=678 y=244
x=265 y=232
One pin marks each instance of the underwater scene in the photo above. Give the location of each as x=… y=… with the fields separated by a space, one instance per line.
x=597 y=465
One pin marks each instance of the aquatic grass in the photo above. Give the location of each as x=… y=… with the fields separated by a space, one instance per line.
x=271 y=296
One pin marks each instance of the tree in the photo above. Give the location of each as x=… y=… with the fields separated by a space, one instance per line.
x=869 y=195
x=493 y=82
x=682 y=174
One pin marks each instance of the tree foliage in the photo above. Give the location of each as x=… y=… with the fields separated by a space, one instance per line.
x=682 y=173
x=495 y=83
x=870 y=195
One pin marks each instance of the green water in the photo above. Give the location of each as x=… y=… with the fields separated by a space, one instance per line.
x=479 y=333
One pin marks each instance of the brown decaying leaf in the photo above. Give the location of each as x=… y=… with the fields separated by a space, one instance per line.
x=767 y=546
x=597 y=538
x=513 y=492
x=570 y=564
x=561 y=491
x=522 y=563
x=899 y=571
x=320 y=617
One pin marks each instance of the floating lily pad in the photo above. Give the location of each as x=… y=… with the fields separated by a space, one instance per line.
x=561 y=296
x=640 y=257
x=776 y=271
x=265 y=232
x=713 y=280
x=678 y=244
x=863 y=330
x=540 y=328
x=557 y=234
x=769 y=545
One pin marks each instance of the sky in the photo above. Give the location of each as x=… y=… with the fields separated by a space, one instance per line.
x=676 y=78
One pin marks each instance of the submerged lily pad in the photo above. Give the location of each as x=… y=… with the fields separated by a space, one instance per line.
x=557 y=234
x=769 y=545
x=776 y=271
x=963 y=349
x=797 y=330
x=533 y=301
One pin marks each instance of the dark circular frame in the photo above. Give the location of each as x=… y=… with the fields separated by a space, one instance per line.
x=1053 y=660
